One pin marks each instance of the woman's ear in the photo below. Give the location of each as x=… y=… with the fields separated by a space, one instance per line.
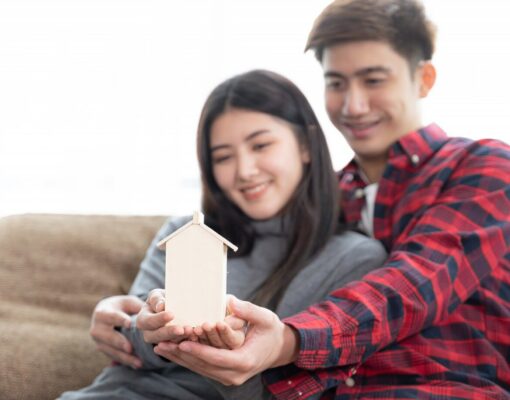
x=305 y=155
x=427 y=77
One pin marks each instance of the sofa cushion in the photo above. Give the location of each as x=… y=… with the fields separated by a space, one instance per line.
x=53 y=271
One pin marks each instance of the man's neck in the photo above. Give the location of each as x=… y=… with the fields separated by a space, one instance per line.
x=373 y=169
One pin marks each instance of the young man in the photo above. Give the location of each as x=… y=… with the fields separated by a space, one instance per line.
x=434 y=321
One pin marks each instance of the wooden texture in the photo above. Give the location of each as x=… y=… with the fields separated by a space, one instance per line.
x=196 y=274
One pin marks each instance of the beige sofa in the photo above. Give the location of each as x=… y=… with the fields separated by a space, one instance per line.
x=53 y=270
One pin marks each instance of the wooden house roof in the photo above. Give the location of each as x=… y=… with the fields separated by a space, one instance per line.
x=198 y=219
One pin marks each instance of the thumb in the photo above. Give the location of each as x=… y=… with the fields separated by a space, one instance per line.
x=250 y=312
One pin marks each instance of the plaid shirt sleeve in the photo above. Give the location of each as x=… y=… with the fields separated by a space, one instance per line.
x=452 y=230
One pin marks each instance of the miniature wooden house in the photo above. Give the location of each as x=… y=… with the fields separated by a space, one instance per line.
x=196 y=273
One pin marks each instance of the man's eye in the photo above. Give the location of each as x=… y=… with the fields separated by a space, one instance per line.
x=334 y=85
x=374 y=81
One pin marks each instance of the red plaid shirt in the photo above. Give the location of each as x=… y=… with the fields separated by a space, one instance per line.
x=434 y=320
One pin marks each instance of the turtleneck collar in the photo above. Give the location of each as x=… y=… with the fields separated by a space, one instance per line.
x=276 y=226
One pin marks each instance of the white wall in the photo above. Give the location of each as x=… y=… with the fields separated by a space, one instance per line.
x=99 y=99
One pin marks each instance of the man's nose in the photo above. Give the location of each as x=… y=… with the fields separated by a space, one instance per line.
x=355 y=102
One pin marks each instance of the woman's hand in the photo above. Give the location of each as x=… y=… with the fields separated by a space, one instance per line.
x=227 y=334
x=109 y=315
x=153 y=321
x=269 y=343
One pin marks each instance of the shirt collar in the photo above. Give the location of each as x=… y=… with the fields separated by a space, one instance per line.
x=419 y=145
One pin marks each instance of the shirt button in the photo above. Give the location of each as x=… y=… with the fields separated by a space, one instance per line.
x=359 y=193
x=349 y=382
x=289 y=382
x=415 y=159
x=349 y=177
x=300 y=393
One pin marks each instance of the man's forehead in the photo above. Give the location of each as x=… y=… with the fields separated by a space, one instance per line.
x=361 y=58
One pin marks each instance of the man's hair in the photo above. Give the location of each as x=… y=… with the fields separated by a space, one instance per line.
x=400 y=23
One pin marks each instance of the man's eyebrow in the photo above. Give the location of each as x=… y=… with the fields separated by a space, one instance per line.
x=361 y=72
x=248 y=138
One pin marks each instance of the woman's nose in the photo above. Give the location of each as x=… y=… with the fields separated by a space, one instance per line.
x=246 y=166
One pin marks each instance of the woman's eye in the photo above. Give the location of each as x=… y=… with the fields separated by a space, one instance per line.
x=260 y=146
x=220 y=159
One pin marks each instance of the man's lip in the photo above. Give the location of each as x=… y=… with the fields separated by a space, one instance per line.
x=360 y=126
x=361 y=130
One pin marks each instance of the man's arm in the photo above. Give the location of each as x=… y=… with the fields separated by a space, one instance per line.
x=438 y=262
x=438 y=265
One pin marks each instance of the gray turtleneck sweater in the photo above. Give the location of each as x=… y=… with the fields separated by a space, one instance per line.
x=344 y=258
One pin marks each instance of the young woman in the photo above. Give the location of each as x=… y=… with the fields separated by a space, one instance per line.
x=269 y=187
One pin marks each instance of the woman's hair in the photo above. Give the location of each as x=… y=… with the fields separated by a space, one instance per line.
x=401 y=23
x=311 y=216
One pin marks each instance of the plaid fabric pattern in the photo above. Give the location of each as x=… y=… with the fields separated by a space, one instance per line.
x=434 y=321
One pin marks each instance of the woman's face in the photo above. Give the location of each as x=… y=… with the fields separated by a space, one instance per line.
x=257 y=161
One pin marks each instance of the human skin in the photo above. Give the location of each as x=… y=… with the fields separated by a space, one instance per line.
x=269 y=343
x=372 y=97
x=155 y=323
x=256 y=161
x=109 y=314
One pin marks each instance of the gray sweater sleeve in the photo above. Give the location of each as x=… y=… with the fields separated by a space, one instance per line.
x=150 y=276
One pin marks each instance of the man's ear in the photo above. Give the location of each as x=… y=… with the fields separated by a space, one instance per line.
x=427 y=77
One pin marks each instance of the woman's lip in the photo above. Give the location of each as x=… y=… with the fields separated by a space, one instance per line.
x=254 y=192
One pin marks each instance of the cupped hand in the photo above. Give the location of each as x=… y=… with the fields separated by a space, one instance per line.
x=269 y=343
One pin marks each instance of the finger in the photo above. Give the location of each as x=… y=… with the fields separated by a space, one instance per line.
x=251 y=312
x=171 y=333
x=235 y=322
x=219 y=373
x=148 y=320
x=198 y=330
x=110 y=337
x=232 y=339
x=156 y=300
x=213 y=336
x=112 y=318
x=213 y=356
x=120 y=356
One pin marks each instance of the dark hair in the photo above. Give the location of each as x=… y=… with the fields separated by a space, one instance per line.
x=401 y=23
x=311 y=214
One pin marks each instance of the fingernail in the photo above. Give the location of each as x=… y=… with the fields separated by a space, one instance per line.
x=183 y=346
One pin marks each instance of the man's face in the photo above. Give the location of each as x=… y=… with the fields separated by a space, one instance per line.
x=371 y=96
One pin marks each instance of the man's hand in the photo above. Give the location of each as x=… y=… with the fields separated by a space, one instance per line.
x=109 y=314
x=153 y=319
x=269 y=343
